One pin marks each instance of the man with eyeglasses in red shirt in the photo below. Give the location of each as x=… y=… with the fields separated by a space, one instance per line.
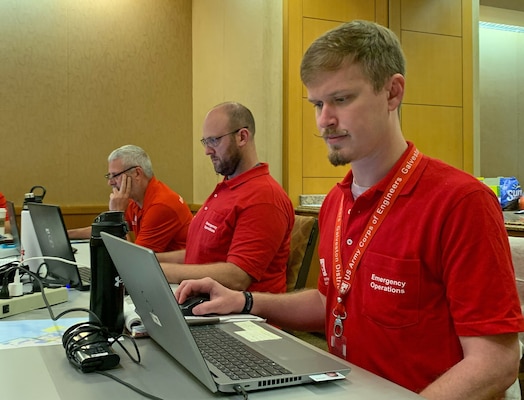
x=157 y=216
x=241 y=234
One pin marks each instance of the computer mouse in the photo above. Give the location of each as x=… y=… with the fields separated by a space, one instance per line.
x=187 y=306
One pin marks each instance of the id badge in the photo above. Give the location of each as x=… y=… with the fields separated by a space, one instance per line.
x=339 y=346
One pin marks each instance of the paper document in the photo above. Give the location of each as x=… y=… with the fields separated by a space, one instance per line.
x=135 y=328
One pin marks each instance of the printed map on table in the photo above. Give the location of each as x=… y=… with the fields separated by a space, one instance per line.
x=37 y=332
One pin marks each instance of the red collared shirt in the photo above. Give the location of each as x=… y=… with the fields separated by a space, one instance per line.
x=439 y=267
x=247 y=221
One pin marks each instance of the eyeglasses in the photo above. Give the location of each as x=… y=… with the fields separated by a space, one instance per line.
x=214 y=141
x=113 y=176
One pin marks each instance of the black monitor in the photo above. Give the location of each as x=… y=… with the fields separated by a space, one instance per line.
x=51 y=233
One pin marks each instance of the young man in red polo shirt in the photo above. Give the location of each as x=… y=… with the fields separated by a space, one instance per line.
x=416 y=281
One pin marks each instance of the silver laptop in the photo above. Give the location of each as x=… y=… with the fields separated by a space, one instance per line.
x=293 y=361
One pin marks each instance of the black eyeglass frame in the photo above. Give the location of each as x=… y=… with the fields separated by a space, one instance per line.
x=110 y=176
x=214 y=141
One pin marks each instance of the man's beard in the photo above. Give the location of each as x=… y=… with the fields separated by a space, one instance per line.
x=336 y=158
x=229 y=163
x=334 y=155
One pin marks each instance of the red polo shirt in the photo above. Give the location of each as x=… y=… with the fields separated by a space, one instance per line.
x=439 y=267
x=163 y=221
x=247 y=221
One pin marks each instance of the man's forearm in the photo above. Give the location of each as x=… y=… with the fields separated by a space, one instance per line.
x=79 y=233
x=227 y=274
x=458 y=383
x=303 y=310
x=176 y=257
x=489 y=367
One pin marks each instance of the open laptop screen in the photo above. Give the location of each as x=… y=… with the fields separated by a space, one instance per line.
x=52 y=236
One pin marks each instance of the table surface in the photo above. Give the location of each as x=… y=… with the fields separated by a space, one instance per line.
x=53 y=377
x=514 y=223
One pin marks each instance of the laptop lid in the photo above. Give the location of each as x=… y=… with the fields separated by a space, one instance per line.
x=51 y=233
x=160 y=313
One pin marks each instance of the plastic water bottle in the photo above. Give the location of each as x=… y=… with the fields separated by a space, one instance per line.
x=107 y=289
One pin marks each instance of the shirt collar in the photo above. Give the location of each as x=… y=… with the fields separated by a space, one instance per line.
x=345 y=184
x=259 y=170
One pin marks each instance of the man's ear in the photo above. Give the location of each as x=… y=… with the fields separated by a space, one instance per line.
x=395 y=91
x=139 y=172
x=244 y=135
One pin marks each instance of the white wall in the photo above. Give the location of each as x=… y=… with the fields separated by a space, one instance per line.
x=501 y=85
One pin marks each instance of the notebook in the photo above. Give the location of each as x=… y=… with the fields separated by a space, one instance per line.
x=51 y=233
x=10 y=251
x=295 y=362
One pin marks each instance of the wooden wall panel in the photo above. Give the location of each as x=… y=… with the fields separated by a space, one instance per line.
x=436 y=131
x=311 y=29
x=292 y=104
x=434 y=69
x=438 y=40
x=443 y=17
x=339 y=10
x=305 y=20
x=320 y=185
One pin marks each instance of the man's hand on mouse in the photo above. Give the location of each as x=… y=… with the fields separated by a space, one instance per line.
x=222 y=300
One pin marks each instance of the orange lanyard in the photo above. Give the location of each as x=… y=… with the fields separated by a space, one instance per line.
x=343 y=279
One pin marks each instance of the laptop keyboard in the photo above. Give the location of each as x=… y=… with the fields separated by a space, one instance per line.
x=231 y=356
x=85 y=275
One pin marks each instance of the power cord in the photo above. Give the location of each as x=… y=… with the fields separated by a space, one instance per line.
x=88 y=345
x=42 y=271
x=240 y=391
x=134 y=388
x=4 y=291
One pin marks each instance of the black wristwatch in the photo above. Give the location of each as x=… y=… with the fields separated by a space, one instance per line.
x=249 y=303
